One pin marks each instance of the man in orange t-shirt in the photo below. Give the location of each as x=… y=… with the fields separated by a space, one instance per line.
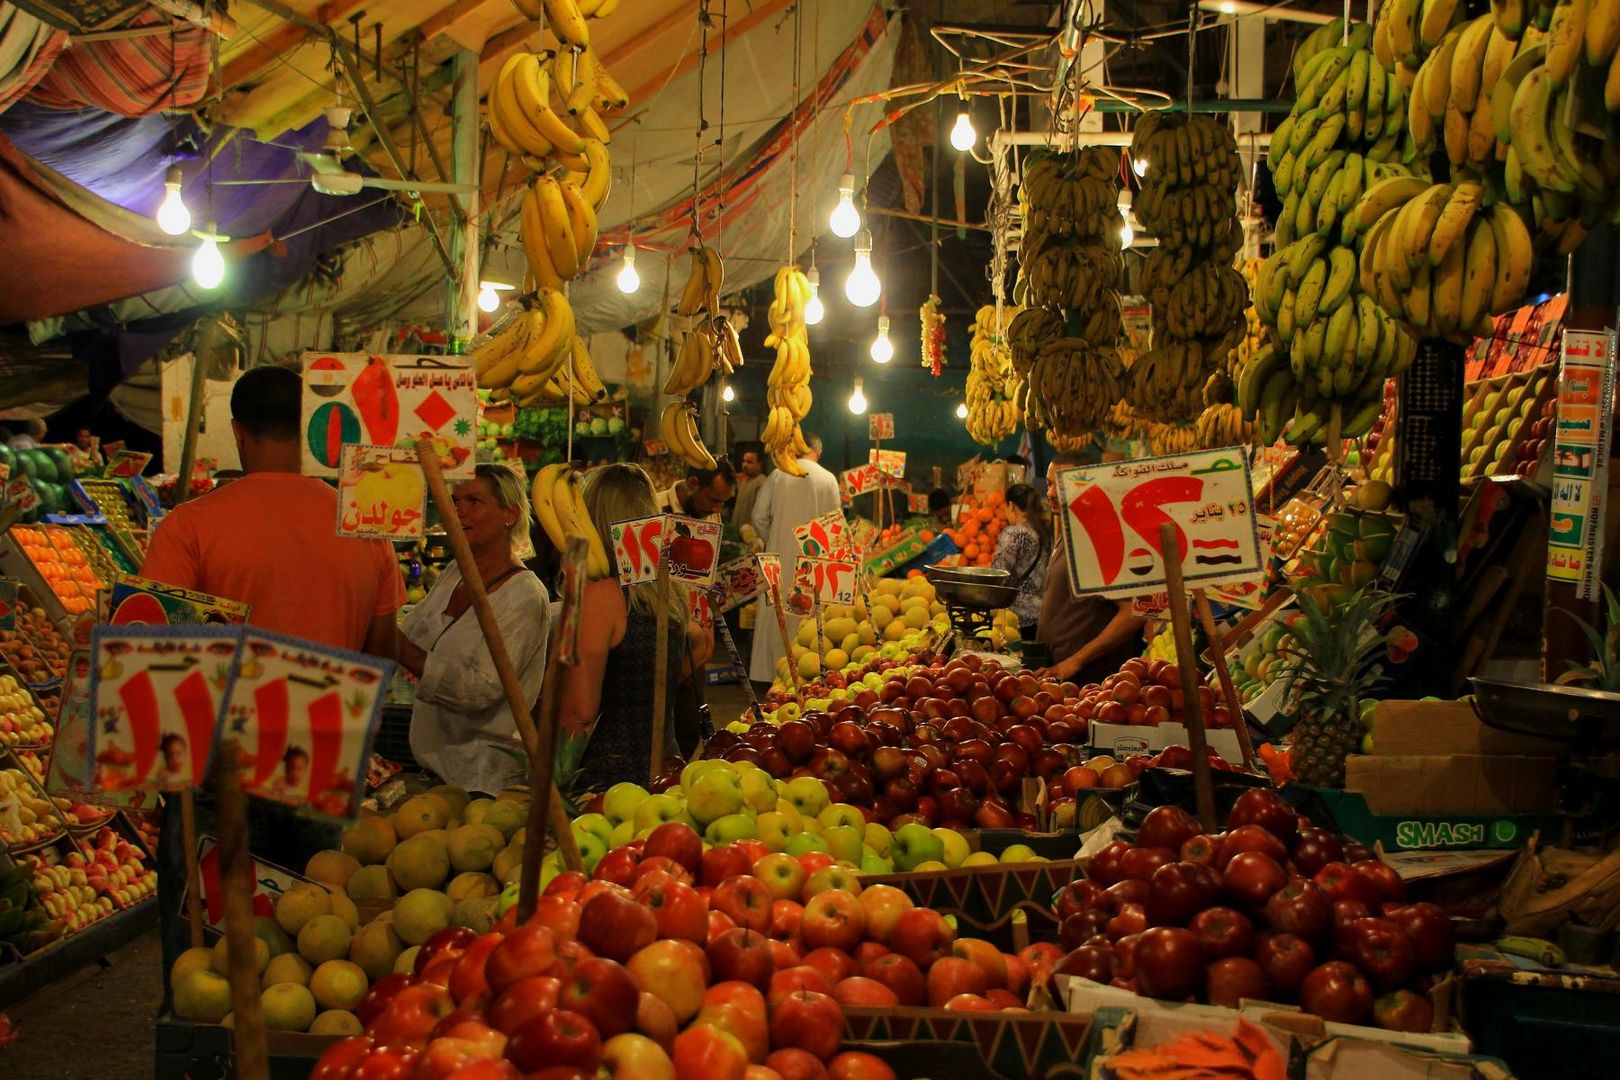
x=270 y=538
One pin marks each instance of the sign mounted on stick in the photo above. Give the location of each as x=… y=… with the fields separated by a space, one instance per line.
x=693 y=545
x=824 y=535
x=824 y=581
x=888 y=462
x=388 y=401
x=879 y=426
x=381 y=493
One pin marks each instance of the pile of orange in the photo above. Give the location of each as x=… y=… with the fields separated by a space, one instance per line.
x=981 y=523
x=62 y=563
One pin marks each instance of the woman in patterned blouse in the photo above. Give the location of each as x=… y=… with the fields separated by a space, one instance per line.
x=1023 y=550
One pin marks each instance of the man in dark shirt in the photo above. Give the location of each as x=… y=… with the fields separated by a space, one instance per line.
x=1088 y=638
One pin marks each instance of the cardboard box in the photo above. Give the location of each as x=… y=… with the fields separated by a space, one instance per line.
x=1350 y=814
x=1404 y=728
x=908 y=547
x=1454 y=784
x=1123 y=740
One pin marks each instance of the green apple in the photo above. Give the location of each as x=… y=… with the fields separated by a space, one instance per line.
x=1018 y=853
x=595 y=824
x=955 y=845
x=879 y=839
x=782 y=874
x=804 y=843
x=621 y=800
x=841 y=814
x=980 y=858
x=729 y=827
x=876 y=864
x=776 y=829
x=915 y=843
x=807 y=794
x=844 y=842
x=873 y=680
x=810 y=825
x=713 y=795
x=788 y=710
x=591 y=849
x=759 y=791
x=657 y=809
x=622 y=834
x=702 y=767
x=831 y=879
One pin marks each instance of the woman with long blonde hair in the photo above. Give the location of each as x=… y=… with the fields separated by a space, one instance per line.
x=608 y=695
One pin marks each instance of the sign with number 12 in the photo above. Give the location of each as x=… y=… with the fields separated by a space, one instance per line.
x=828 y=581
x=1112 y=513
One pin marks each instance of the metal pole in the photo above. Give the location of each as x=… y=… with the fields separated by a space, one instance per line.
x=462 y=295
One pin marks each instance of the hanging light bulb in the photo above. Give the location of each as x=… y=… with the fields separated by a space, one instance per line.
x=882 y=347
x=961 y=410
x=172 y=215
x=963 y=136
x=727 y=394
x=1127 y=235
x=208 y=265
x=857 y=400
x=1140 y=166
x=814 y=309
x=845 y=219
x=628 y=280
x=488 y=300
x=862 y=287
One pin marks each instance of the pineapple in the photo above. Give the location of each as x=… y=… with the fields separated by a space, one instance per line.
x=1604 y=671
x=1330 y=666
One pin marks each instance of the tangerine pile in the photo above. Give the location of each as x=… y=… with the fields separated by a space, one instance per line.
x=62 y=563
x=981 y=523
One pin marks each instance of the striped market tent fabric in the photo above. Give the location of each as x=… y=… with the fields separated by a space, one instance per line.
x=131 y=76
x=28 y=48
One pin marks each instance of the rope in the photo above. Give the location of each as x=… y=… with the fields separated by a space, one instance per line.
x=703 y=123
x=793 y=172
x=720 y=140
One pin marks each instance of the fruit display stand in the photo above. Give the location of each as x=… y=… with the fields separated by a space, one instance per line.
x=53 y=566
x=126 y=520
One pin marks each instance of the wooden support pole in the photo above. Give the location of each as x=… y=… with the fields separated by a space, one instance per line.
x=188 y=835
x=781 y=628
x=237 y=886
x=1181 y=625
x=1217 y=656
x=661 y=659
x=491 y=628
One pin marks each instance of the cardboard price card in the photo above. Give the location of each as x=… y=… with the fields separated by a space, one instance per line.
x=917 y=503
x=770 y=568
x=71 y=772
x=859 y=480
x=136 y=601
x=1112 y=513
x=303 y=716
x=879 y=426
x=888 y=462
x=737 y=583
x=693 y=545
x=126 y=464
x=823 y=535
x=382 y=494
x=1586 y=393
x=155 y=701
x=825 y=581
x=388 y=401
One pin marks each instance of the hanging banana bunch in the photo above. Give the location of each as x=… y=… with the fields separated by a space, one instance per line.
x=993 y=389
x=787 y=392
x=1065 y=344
x=560 y=508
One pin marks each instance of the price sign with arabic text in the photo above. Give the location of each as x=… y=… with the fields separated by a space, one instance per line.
x=388 y=401
x=770 y=568
x=859 y=480
x=823 y=535
x=71 y=771
x=155 y=702
x=1112 y=513
x=880 y=425
x=126 y=463
x=737 y=582
x=382 y=494
x=303 y=716
x=693 y=545
x=824 y=581
x=888 y=462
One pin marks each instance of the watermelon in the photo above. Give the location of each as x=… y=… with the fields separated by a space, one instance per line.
x=43 y=467
x=64 y=464
x=8 y=457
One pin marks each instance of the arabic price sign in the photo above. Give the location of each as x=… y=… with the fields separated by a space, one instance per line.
x=1112 y=513
x=1151 y=606
x=388 y=401
x=155 y=697
x=823 y=535
x=917 y=503
x=859 y=480
x=737 y=582
x=20 y=495
x=702 y=612
x=693 y=545
x=888 y=462
x=126 y=463
x=382 y=494
x=71 y=771
x=136 y=601
x=880 y=425
x=770 y=568
x=303 y=716
x=1582 y=436
x=824 y=581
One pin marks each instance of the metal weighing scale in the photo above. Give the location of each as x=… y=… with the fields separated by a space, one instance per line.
x=1587 y=720
x=970 y=594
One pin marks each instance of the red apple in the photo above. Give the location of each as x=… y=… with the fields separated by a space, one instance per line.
x=809 y=1021
x=833 y=919
x=742 y=955
x=522 y=1001
x=705 y=1052
x=901 y=976
x=602 y=991
x=922 y=936
x=952 y=975
x=745 y=900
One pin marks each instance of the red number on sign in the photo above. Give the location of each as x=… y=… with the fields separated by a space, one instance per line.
x=1143 y=508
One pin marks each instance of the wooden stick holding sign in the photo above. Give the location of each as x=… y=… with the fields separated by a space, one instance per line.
x=1181 y=625
x=188 y=834
x=564 y=652
x=491 y=629
x=660 y=662
x=237 y=888
x=775 y=589
x=1234 y=704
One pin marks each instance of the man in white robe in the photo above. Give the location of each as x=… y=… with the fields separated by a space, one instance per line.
x=786 y=502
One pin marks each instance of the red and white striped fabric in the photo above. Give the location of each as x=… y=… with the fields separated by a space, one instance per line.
x=131 y=76
x=28 y=47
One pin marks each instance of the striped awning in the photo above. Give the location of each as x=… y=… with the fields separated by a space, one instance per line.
x=28 y=48
x=131 y=76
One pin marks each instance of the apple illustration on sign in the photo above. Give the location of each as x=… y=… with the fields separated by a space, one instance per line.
x=688 y=553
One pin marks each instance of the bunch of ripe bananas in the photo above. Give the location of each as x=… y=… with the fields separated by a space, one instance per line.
x=787 y=389
x=559 y=505
x=1221 y=425
x=1334 y=345
x=1254 y=331
x=992 y=387
x=1188 y=200
x=710 y=343
x=677 y=425
x=1065 y=346
x=1121 y=422
x=1172 y=438
x=536 y=358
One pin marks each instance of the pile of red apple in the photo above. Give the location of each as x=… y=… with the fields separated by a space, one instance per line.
x=675 y=963
x=1269 y=910
x=1145 y=693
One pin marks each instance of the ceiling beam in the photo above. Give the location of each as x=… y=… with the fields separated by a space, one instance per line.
x=262 y=53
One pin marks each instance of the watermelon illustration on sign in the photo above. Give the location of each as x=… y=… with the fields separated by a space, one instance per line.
x=332 y=425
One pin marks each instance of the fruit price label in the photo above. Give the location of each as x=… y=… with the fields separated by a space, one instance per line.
x=303 y=716
x=1581 y=446
x=917 y=503
x=879 y=426
x=693 y=545
x=126 y=463
x=382 y=494
x=821 y=537
x=71 y=772
x=738 y=582
x=388 y=401
x=1112 y=513
x=859 y=480
x=888 y=462
x=156 y=694
x=824 y=581
x=136 y=601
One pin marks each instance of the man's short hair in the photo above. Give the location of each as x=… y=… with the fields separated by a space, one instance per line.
x=705 y=477
x=938 y=499
x=813 y=442
x=266 y=402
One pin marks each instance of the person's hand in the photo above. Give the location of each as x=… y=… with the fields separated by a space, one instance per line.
x=1060 y=672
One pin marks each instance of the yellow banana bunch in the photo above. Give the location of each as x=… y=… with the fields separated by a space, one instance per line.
x=560 y=224
x=701 y=352
x=1172 y=438
x=787 y=388
x=993 y=389
x=1222 y=425
x=560 y=508
x=703 y=282
x=677 y=424
x=528 y=350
